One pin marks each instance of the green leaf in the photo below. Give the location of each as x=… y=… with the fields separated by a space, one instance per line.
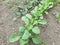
x=21 y=29
x=58 y=17
x=23 y=42
x=42 y=22
x=34 y=12
x=27 y=44
x=26 y=35
x=17 y=13
x=25 y=19
x=14 y=37
x=46 y=12
x=32 y=20
x=30 y=27
x=35 y=22
x=56 y=2
x=8 y=4
x=41 y=17
x=14 y=19
x=38 y=13
x=16 y=1
x=29 y=16
x=36 y=40
x=36 y=30
x=50 y=4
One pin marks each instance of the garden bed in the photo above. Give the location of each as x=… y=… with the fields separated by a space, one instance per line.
x=50 y=33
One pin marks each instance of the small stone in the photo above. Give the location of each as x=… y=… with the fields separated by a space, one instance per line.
x=53 y=43
x=59 y=35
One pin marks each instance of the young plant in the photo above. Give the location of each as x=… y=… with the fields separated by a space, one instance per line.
x=22 y=10
x=8 y=4
x=31 y=29
x=58 y=17
x=56 y=2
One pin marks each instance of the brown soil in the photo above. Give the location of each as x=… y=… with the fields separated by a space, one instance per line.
x=50 y=33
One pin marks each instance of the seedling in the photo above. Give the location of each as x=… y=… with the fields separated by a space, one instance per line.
x=58 y=17
x=23 y=10
x=8 y=4
x=31 y=20
x=56 y=2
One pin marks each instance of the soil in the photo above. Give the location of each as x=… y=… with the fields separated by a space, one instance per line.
x=50 y=33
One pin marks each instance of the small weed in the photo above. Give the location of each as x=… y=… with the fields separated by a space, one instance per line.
x=58 y=17
x=22 y=10
x=56 y=2
x=8 y=4
x=31 y=20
